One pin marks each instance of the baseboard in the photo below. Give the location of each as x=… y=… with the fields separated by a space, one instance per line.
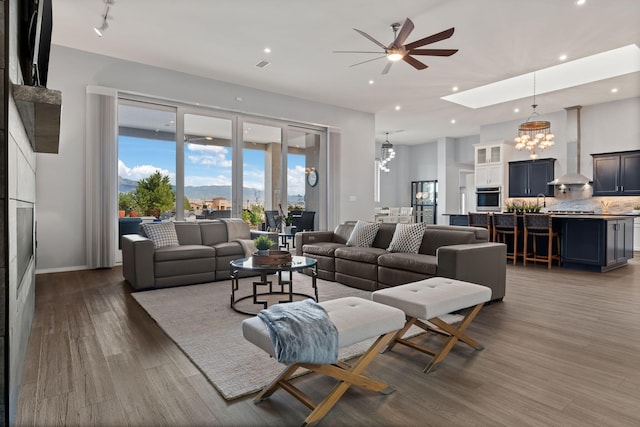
x=61 y=269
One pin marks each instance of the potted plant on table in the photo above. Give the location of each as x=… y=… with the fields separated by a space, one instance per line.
x=263 y=244
x=287 y=221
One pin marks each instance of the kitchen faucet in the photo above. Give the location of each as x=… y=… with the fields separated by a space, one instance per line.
x=544 y=199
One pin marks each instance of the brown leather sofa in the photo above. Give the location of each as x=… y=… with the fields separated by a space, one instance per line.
x=205 y=250
x=457 y=252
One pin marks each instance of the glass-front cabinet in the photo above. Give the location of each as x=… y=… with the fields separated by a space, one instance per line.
x=424 y=200
x=489 y=154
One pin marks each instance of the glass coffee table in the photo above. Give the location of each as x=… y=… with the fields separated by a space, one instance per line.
x=265 y=292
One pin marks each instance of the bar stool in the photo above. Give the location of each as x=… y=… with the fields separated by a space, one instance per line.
x=484 y=220
x=504 y=225
x=540 y=225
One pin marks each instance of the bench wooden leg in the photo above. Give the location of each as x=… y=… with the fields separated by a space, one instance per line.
x=454 y=334
x=347 y=376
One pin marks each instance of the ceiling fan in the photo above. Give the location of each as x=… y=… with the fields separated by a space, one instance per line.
x=397 y=50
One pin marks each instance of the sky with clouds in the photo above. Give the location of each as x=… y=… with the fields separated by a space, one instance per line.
x=204 y=164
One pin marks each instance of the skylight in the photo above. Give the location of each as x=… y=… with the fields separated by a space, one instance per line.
x=605 y=65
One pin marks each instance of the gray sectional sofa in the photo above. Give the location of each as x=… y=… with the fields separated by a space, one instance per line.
x=203 y=254
x=457 y=252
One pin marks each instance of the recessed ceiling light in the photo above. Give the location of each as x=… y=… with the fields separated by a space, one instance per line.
x=562 y=57
x=397 y=107
x=601 y=66
x=614 y=90
x=455 y=88
x=453 y=121
x=267 y=50
x=516 y=110
x=580 y=2
x=371 y=82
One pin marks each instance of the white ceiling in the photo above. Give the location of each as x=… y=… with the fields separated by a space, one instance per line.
x=497 y=39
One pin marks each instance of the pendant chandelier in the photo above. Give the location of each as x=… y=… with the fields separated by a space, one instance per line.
x=534 y=134
x=387 y=153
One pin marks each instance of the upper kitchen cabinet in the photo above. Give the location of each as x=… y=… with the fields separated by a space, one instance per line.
x=528 y=178
x=616 y=174
x=490 y=162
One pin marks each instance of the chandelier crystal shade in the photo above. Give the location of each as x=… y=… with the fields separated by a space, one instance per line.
x=534 y=134
x=387 y=153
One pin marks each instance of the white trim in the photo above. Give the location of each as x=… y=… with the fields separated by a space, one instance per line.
x=62 y=269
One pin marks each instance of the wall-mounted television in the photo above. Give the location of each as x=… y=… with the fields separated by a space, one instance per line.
x=35 y=22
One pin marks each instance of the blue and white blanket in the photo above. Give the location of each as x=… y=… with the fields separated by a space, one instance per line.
x=301 y=332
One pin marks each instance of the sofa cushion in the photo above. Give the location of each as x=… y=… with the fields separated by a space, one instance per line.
x=407 y=237
x=162 y=234
x=229 y=248
x=384 y=236
x=363 y=234
x=213 y=232
x=236 y=229
x=418 y=263
x=434 y=238
x=321 y=248
x=173 y=253
x=343 y=232
x=354 y=253
x=188 y=233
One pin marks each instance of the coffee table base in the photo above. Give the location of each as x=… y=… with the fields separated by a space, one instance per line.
x=259 y=299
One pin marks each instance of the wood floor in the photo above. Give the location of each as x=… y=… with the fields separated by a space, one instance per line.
x=563 y=349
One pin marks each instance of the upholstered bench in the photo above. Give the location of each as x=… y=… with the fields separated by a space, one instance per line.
x=429 y=300
x=356 y=319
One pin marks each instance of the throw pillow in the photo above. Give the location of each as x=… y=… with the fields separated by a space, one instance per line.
x=363 y=234
x=161 y=233
x=407 y=237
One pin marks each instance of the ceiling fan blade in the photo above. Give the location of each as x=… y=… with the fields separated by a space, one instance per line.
x=414 y=62
x=357 y=51
x=368 y=60
x=406 y=29
x=431 y=39
x=371 y=38
x=433 y=52
x=387 y=67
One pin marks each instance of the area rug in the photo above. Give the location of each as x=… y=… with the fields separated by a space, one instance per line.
x=200 y=321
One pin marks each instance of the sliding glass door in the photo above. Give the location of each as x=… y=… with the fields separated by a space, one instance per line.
x=211 y=164
x=208 y=167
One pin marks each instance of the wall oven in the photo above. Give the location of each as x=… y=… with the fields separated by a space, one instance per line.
x=488 y=199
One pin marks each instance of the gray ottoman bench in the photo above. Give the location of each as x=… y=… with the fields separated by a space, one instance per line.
x=356 y=319
x=429 y=300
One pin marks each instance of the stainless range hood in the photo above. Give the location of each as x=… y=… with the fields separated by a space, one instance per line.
x=573 y=158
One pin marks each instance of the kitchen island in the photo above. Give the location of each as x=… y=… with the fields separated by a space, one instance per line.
x=595 y=242
x=588 y=241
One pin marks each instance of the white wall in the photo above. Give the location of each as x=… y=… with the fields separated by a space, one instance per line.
x=608 y=127
x=61 y=177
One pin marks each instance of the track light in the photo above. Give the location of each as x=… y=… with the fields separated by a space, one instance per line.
x=105 y=16
x=101 y=28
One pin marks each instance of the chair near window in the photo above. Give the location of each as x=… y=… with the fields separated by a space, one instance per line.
x=504 y=225
x=482 y=219
x=306 y=221
x=273 y=220
x=406 y=214
x=540 y=226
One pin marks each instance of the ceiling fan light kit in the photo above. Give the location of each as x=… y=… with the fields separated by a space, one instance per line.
x=397 y=50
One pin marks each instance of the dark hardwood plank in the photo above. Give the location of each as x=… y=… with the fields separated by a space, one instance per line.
x=561 y=350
